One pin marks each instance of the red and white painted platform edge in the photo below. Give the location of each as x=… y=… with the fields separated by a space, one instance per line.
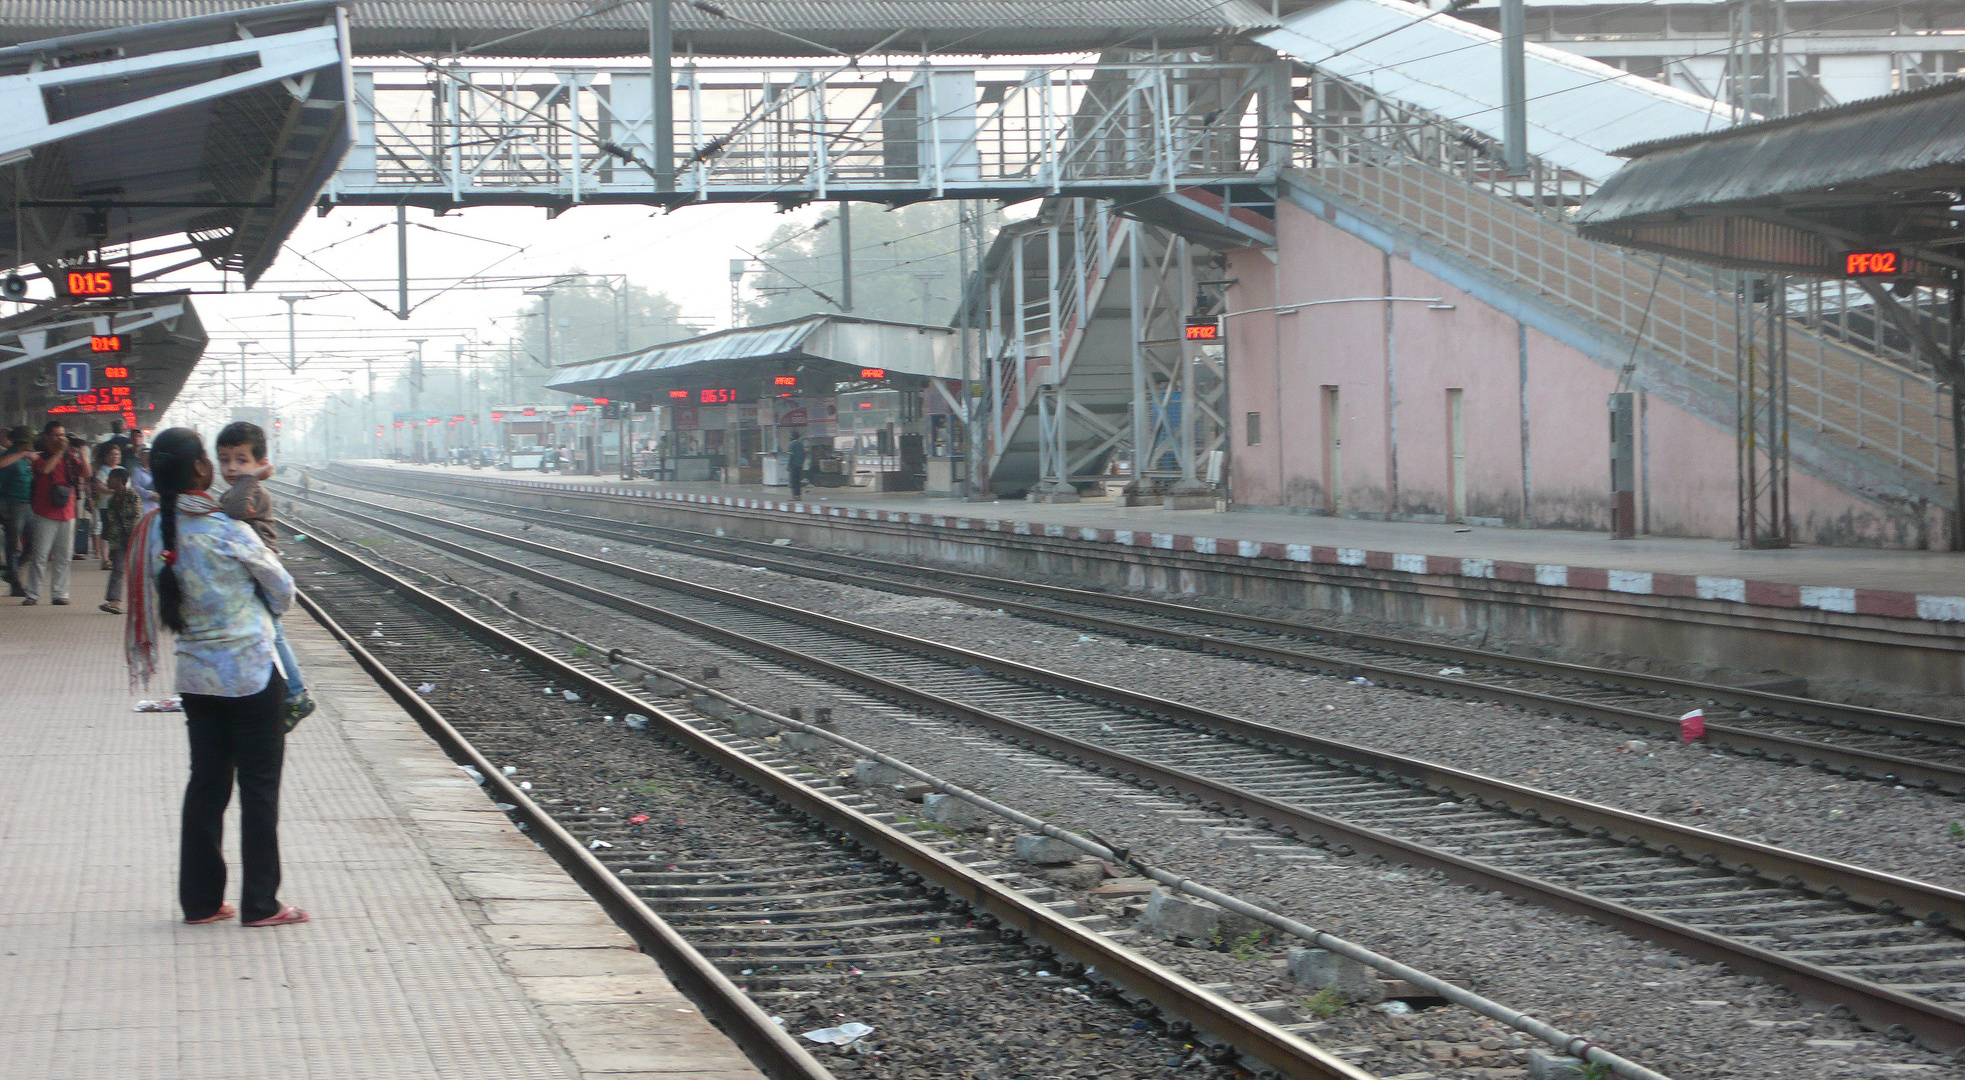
x=1884 y=603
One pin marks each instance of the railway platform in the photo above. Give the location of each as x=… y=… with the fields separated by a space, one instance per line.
x=1913 y=585
x=443 y=943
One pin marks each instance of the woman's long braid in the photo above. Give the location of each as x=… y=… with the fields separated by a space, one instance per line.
x=174 y=458
x=170 y=598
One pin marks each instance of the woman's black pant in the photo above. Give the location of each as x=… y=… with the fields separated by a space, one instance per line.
x=243 y=738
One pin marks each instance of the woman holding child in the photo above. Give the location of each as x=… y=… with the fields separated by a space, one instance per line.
x=211 y=582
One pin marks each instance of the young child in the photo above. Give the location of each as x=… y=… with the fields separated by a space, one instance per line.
x=242 y=461
x=120 y=510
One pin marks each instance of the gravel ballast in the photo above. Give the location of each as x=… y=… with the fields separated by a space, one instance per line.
x=1686 y=1019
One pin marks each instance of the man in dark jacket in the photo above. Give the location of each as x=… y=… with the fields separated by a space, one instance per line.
x=795 y=456
x=16 y=502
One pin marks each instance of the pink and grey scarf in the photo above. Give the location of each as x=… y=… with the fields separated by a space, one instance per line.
x=142 y=629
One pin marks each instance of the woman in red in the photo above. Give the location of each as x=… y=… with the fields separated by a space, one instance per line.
x=61 y=481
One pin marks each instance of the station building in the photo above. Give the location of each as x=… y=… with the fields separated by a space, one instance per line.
x=879 y=403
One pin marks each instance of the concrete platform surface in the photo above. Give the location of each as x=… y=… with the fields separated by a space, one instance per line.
x=444 y=944
x=1925 y=585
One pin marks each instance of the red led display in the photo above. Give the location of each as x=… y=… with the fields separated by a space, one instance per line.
x=107 y=343
x=723 y=396
x=1203 y=329
x=1871 y=263
x=785 y=380
x=873 y=373
x=678 y=395
x=114 y=373
x=88 y=282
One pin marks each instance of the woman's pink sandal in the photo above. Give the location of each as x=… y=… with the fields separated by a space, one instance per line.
x=288 y=914
x=224 y=912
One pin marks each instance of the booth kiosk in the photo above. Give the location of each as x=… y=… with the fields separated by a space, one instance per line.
x=876 y=402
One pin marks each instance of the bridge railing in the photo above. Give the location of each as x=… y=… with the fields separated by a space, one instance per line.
x=489 y=134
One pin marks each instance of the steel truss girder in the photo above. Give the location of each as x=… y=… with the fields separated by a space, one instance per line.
x=1080 y=267
x=455 y=135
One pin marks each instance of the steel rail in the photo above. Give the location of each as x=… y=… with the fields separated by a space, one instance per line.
x=1230 y=1031
x=769 y=1046
x=1860 y=717
x=1853 y=762
x=1878 y=1005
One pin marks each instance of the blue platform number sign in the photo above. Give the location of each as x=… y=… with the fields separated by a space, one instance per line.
x=72 y=378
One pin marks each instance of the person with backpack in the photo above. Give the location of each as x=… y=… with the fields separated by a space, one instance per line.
x=210 y=581
x=61 y=481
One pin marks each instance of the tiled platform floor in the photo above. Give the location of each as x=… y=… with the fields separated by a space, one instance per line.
x=444 y=944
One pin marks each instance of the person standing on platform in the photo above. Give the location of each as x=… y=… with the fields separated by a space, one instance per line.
x=795 y=457
x=215 y=586
x=139 y=465
x=119 y=515
x=16 y=502
x=108 y=455
x=61 y=480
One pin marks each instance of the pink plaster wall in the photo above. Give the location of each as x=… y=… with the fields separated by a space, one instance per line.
x=1279 y=363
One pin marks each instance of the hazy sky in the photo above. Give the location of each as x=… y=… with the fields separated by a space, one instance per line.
x=685 y=254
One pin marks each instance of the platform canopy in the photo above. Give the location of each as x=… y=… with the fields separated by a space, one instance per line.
x=598 y=28
x=219 y=130
x=819 y=351
x=162 y=339
x=1579 y=110
x=1803 y=193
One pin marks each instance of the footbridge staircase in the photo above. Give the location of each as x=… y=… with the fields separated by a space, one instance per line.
x=1083 y=303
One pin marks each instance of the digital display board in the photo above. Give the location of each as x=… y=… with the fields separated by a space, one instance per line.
x=873 y=373
x=89 y=282
x=785 y=380
x=115 y=372
x=108 y=343
x=678 y=395
x=1871 y=263
x=109 y=399
x=497 y=416
x=1203 y=329
x=719 y=396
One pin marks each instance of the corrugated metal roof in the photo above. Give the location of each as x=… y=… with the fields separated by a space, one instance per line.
x=384 y=27
x=845 y=340
x=236 y=171
x=746 y=343
x=1878 y=173
x=1912 y=140
x=1579 y=110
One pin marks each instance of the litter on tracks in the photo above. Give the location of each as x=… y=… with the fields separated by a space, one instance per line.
x=843 y=1035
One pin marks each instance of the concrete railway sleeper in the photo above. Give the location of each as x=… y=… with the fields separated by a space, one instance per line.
x=700 y=696
x=821 y=864
x=1749 y=905
x=1853 y=741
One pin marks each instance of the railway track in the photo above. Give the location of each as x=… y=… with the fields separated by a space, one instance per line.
x=1880 y=945
x=1853 y=741
x=820 y=886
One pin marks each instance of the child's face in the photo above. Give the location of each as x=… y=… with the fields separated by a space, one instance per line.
x=235 y=463
x=117 y=484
